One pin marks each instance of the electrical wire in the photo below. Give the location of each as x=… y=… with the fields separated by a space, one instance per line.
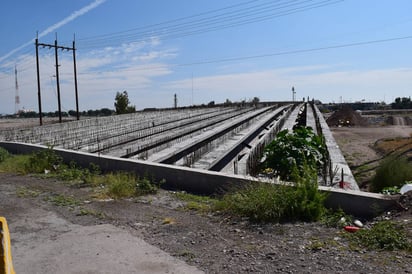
x=252 y=14
x=273 y=54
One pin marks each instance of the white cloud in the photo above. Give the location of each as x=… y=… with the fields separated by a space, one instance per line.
x=320 y=82
x=55 y=26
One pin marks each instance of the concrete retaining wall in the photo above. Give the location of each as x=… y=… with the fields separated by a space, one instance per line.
x=358 y=203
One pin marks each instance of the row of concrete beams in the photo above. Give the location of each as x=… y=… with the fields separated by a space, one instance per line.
x=209 y=137
x=291 y=120
x=156 y=128
x=152 y=141
x=248 y=158
x=128 y=129
x=310 y=118
x=247 y=141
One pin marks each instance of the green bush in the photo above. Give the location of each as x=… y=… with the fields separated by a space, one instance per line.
x=384 y=235
x=292 y=151
x=120 y=185
x=42 y=160
x=392 y=172
x=15 y=164
x=4 y=154
x=123 y=185
x=264 y=202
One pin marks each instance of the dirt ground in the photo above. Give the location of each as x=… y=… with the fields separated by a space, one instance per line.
x=210 y=242
x=357 y=146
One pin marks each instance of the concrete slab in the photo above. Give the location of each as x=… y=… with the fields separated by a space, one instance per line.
x=42 y=242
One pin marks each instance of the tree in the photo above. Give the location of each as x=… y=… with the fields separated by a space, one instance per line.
x=255 y=100
x=122 y=103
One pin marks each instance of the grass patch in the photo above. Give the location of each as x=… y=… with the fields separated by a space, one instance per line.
x=90 y=212
x=384 y=235
x=197 y=202
x=23 y=192
x=61 y=200
x=263 y=202
x=15 y=164
x=49 y=164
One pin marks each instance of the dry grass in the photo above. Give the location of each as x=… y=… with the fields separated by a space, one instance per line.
x=399 y=145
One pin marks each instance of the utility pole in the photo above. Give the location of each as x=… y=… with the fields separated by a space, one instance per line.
x=38 y=80
x=175 y=101
x=58 y=81
x=56 y=48
x=75 y=80
x=293 y=94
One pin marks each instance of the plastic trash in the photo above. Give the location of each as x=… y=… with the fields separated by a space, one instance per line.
x=405 y=188
x=358 y=223
x=351 y=229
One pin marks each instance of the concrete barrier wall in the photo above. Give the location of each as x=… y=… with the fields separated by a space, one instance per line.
x=337 y=159
x=358 y=203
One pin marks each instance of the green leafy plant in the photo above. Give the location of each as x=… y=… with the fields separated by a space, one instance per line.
x=384 y=235
x=4 y=154
x=336 y=218
x=392 y=172
x=291 y=151
x=42 y=160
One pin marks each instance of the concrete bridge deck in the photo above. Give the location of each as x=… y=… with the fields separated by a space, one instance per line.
x=228 y=139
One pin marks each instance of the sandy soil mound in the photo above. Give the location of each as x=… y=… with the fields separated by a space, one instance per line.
x=346 y=117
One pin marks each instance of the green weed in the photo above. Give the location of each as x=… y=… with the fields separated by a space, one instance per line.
x=393 y=171
x=263 y=202
x=43 y=160
x=197 y=202
x=23 y=192
x=384 y=235
x=61 y=200
x=15 y=164
x=4 y=154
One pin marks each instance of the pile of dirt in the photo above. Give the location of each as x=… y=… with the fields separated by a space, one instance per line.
x=347 y=117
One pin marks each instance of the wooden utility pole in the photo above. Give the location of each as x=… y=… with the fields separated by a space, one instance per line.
x=38 y=80
x=75 y=81
x=56 y=48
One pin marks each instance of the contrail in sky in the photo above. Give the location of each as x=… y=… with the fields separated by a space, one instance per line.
x=52 y=28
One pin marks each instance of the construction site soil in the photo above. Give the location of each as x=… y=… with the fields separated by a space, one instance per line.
x=212 y=242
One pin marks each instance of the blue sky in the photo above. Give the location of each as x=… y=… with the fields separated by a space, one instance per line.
x=348 y=50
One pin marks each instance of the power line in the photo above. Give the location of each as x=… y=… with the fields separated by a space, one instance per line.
x=291 y=52
x=251 y=14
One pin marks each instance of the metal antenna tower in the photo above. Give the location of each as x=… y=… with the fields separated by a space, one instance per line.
x=17 y=97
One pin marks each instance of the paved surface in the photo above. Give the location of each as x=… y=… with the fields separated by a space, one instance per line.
x=43 y=242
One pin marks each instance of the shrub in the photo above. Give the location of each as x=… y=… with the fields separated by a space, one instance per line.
x=264 y=202
x=384 y=235
x=43 y=160
x=4 y=154
x=291 y=151
x=120 y=185
x=123 y=185
x=392 y=172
